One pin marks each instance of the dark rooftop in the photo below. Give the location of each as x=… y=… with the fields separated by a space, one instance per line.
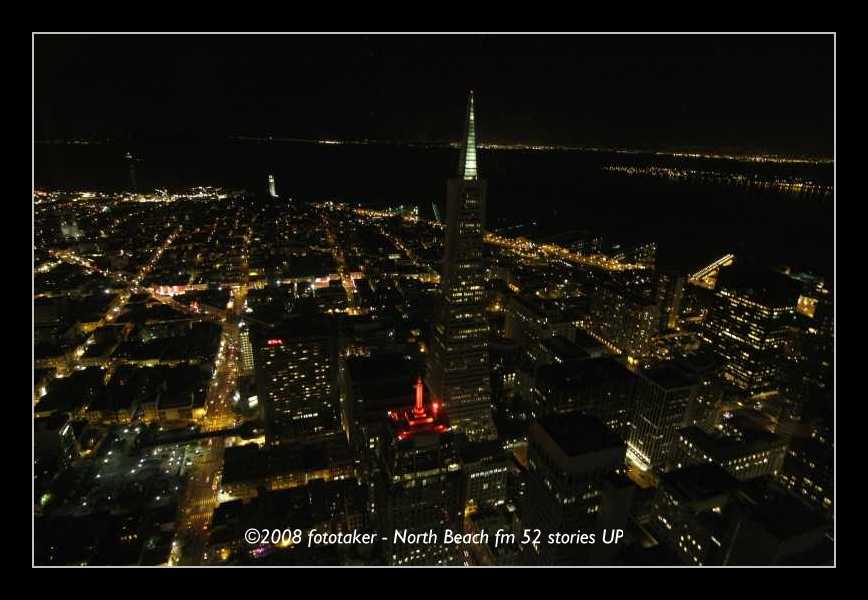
x=726 y=448
x=700 y=482
x=578 y=433
x=762 y=285
x=564 y=349
x=669 y=377
x=481 y=451
x=585 y=373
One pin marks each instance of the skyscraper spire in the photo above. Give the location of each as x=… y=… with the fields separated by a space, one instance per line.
x=458 y=366
x=467 y=166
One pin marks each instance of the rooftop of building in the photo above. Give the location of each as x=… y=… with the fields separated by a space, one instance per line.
x=761 y=284
x=382 y=382
x=483 y=451
x=563 y=349
x=421 y=416
x=699 y=363
x=784 y=516
x=294 y=327
x=590 y=372
x=578 y=433
x=586 y=342
x=669 y=377
x=700 y=482
x=724 y=448
x=73 y=392
x=251 y=463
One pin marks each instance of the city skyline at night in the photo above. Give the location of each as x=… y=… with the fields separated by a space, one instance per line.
x=332 y=319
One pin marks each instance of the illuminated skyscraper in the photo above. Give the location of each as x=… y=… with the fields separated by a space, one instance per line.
x=458 y=374
x=296 y=373
x=272 y=186
x=662 y=397
x=246 y=349
x=421 y=483
x=748 y=325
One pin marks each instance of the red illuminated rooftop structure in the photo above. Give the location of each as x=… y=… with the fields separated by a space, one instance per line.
x=418 y=418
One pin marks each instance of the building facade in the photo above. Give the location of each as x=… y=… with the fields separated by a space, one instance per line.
x=575 y=483
x=296 y=373
x=659 y=411
x=459 y=374
x=748 y=326
x=421 y=485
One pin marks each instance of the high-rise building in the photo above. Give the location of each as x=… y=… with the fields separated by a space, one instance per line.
x=486 y=470
x=459 y=375
x=272 y=186
x=659 y=411
x=296 y=373
x=691 y=513
x=624 y=319
x=707 y=517
x=748 y=325
x=808 y=471
x=755 y=454
x=707 y=406
x=575 y=484
x=669 y=290
x=246 y=349
x=421 y=484
x=602 y=387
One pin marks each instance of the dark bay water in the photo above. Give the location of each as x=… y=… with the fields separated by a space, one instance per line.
x=560 y=191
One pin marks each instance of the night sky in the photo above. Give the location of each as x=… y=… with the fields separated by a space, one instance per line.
x=741 y=93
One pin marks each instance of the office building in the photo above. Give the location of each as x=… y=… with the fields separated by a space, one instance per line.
x=756 y=454
x=575 y=483
x=486 y=469
x=459 y=373
x=624 y=320
x=602 y=387
x=421 y=484
x=297 y=376
x=748 y=326
x=662 y=397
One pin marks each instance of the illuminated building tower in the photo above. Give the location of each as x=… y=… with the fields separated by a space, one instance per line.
x=459 y=369
x=809 y=374
x=296 y=373
x=272 y=186
x=486 y=470
x=659 y=411
x=246 y=349
x=624 y=319
x=421 y=483
x=748 y=325
x=669 y=292
x=575 y=483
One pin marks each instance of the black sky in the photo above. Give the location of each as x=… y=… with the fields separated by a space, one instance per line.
x=756 y=93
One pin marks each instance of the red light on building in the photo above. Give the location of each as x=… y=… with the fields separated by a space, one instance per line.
x=275 y=342
x=418 y=418
x=419 y=408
